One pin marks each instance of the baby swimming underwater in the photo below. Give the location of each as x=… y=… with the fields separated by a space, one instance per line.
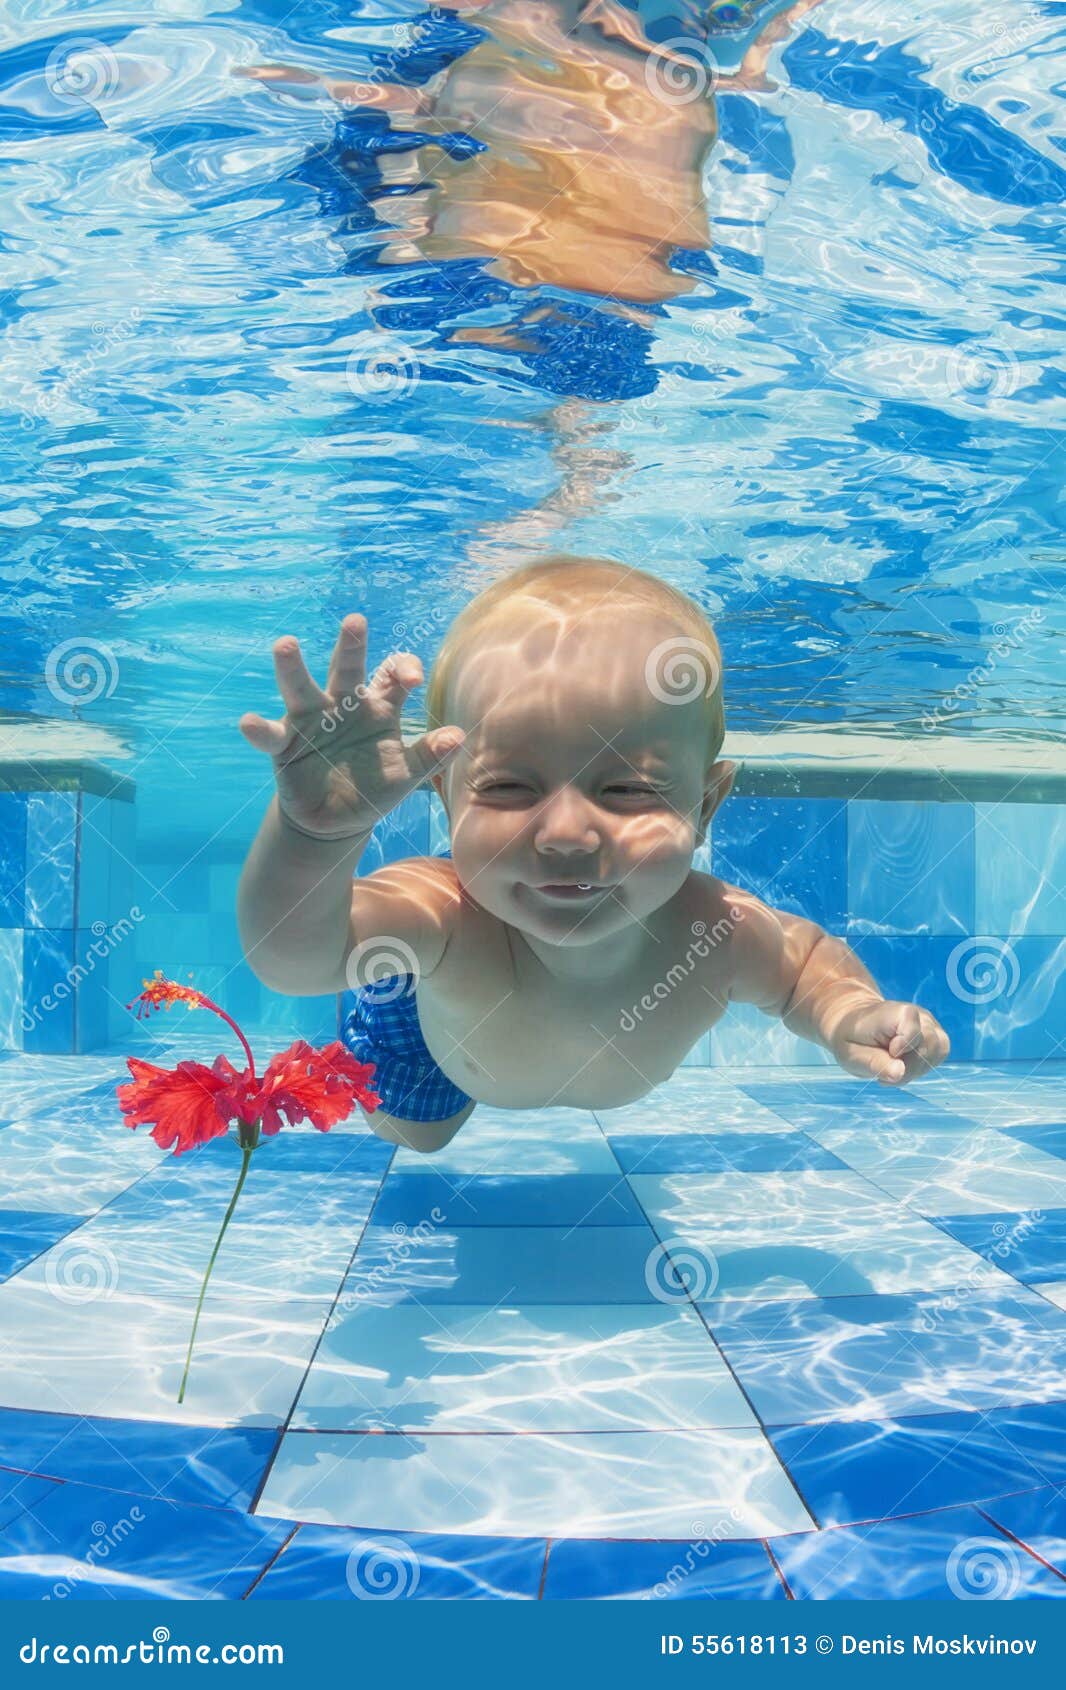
x=578 y=781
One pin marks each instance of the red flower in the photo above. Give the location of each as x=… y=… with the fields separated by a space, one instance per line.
x=191 y=1104
x=183 y=1101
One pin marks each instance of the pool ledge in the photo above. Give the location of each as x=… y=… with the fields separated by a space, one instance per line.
x=936 y=768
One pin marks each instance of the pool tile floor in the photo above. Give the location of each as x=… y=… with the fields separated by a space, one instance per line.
x=769 y=1333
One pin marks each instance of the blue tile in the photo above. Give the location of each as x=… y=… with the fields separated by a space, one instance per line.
x=927 y=971
x=1050 y=1137
x=98 y=1544
x=213 y=1467
x=580 y=1568
x=507 y=1200
x=1025 y=1014
x=12 y=859
x=855 y=1470
x=1021 y=868
x=1038 y=1518
x=892 y=1354
x=92 y=953
x=910 y=868
x=19 y=1491
x=48 y=991
x=846 y=1103
x=331 y=1563
x=1031 y=1246
x=51 y=848
x=494 y=1265
x=11 y=1032
x=25 y=1234
x=951 y=1555
x=713 y=1153
x=94 y=862
x=792 y=852
x=300 y=1151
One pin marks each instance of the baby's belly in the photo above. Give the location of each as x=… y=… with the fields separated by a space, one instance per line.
x=516 y=1057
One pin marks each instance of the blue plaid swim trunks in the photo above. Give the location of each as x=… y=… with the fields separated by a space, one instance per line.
x=383 y=1028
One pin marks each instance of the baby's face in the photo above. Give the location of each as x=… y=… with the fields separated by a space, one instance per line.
x=574 y=770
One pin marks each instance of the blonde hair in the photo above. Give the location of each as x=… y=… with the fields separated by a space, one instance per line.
x=571 y=584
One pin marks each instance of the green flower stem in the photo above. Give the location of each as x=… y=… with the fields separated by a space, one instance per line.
x=246 y=1153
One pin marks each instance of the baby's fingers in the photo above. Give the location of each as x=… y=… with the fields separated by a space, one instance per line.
x=300 y=692
x=271 y=737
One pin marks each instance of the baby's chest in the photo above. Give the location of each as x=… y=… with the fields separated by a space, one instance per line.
x=518 y=1043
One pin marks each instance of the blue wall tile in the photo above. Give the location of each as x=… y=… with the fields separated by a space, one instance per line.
x=1021 y=868
x=1023 y=1009
x=791 y=852
x=910 y=867
x=10 y=988
x=94 y=957
x=94 y=867
x=12 y=859
x=921 y=970
x=48 y=991
x=51 y=851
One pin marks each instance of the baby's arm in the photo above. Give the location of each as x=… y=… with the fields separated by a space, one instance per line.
x=793 y=968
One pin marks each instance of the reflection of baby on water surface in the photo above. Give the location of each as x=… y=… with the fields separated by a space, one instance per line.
x=562 y=148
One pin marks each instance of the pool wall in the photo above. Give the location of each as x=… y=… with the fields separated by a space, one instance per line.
x=944 y=869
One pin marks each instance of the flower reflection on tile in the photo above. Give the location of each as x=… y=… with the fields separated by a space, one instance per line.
x=536 y=1369
x=860 y=1358
x=951 y=1555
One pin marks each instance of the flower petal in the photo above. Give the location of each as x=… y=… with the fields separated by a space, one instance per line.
x=181 y=1102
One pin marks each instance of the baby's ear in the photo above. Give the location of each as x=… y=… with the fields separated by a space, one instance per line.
x=717 y=787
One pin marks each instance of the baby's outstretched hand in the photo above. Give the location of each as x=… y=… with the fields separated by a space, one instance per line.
x=888 y=1041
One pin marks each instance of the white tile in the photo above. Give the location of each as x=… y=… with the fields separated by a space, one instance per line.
x=11 y=1033
x=513 y=1141
x=45 y=1170
x=123 y=1356
x=1054 y=1291
x=718 y=1108
x=802 y=1239
x=166 y=1256
x=545 y=1368
x=726 y=1483
x=944 y=1172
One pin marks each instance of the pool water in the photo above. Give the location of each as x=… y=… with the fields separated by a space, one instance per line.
x=768 y=1334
